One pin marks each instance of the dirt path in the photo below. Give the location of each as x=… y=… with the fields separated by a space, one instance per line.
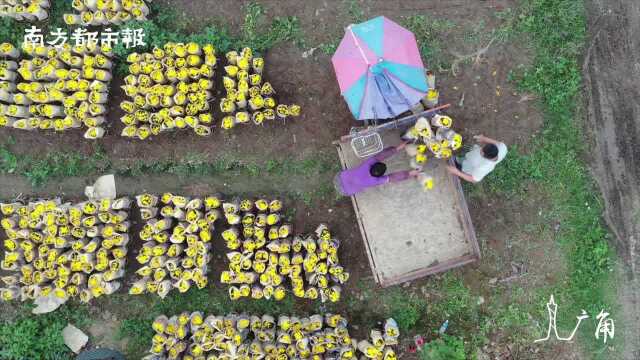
x=73 y=187
x=612 y=70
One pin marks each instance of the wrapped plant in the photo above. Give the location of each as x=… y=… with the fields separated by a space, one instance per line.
x=248 y=96
x=55 y=89
x=170 y=88
x=64 y=250
x=194 y=335
x=104 y=12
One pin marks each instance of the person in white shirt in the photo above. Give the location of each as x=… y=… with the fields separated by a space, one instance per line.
x=480 y=161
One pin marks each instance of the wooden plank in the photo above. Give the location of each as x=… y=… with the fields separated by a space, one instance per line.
x=363 y=232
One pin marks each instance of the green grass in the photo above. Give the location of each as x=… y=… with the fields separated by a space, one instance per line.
x=444 y=348
x=557 y=29
x=57 y=165
x=430 y=33
x=355 y=11
x=39 y=337
x=53 y=165
x=406 y=310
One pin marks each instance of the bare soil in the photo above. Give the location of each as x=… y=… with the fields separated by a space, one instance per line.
x=612 y=70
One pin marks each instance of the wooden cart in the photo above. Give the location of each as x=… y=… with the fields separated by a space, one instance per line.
x=409 y=233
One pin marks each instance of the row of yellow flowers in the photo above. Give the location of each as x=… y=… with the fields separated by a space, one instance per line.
x=25 y=10
x=103 y=12
x=70 y=250
x=264 y=257
x=64 y=250
x=241 y=336
x=55 y=88
x=170 y=88
x=177 y=237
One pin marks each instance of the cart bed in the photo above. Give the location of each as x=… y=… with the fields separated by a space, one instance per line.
x=409 y=233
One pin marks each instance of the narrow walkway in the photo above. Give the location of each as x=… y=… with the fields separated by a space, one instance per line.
x=73 y=187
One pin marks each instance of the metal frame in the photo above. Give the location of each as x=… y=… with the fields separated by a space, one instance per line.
x=394 y=123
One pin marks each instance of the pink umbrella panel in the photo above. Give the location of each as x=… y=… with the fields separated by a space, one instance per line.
x=379 y=69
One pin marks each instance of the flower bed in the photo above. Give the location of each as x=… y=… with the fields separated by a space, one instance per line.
x=193 y=336
x=177 y=240
x=55 y=88
x=264 y=255
x=64 y=250
x=248 y=97
x=170 y=89
x=104 y=12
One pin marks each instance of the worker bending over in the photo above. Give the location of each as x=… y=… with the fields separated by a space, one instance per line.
x=371 y=173
x=480 y=161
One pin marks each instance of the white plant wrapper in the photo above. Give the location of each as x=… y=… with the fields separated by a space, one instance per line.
x=102 y=98
x=99 y=133
x=94 y=121
x=111 y=287
x=91 y=4
x=107 y=76
x=40 y=15
x=21 y=99
x=121 y=203
x=22 y=124
x=10 y=65
x=148 y=213
x=74 y=338
x=5 y=96
x=13 y=53
x=75 y=123
x=164 y=287
x=57 y=111
x=9 y=76
x=436 y=120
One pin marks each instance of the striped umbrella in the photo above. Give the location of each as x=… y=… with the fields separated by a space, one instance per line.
x=379 y=69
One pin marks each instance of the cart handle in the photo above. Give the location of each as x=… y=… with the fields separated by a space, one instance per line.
x=395 y=123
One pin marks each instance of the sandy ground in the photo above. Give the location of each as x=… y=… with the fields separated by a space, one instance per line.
x=612 y=71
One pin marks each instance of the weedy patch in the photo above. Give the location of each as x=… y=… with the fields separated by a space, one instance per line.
x=39 y=337
x=430 y=33
x=56 y=165
x=556 y=29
